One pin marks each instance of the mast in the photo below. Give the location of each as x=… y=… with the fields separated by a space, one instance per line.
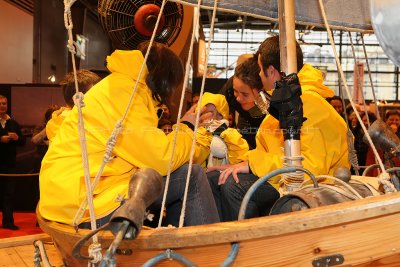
x=288 y=59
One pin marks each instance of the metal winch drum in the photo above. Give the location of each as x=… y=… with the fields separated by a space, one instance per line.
x=312 y=197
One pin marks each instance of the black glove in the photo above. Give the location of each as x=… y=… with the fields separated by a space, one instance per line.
x=287 y=107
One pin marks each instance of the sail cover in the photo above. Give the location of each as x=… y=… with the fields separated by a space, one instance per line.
x=352 y=15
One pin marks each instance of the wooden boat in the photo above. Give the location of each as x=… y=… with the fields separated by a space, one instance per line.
x=362 y=232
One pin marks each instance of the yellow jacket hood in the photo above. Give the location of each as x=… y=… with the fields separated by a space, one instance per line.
x=311 y=79
x=124 y=62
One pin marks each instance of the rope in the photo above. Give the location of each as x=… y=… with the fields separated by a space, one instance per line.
x=107 y=157
x=182 y=217
x=384 y=179
x=117 y=130
x=370 y=77
x=346 y=185
x=78 y=101
x=358 y=79
x=40 y=255
x=292 y=181
x=370 y=187
x=185 y=82
x=339 y=66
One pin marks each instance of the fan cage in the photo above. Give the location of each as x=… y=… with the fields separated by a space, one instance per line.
x=116 y=18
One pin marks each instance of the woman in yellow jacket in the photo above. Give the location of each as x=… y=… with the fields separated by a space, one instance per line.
x=140 y=145
x=323 y=138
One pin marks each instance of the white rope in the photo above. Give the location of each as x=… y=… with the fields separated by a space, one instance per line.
x=119 y=125
x=359 y=79
x=95 y=253
x=185 y=82
x=293 y=180
x=370 y=77
x=339 y=66
x=182 y=217
x=374 y=191
x=342 y=183
x=78 y=100
x=336 y=189
x=384 y=179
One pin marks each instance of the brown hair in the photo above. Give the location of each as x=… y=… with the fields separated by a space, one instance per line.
x=165 y=70
x=85 y=78
x=270 y=54
x=248 y=72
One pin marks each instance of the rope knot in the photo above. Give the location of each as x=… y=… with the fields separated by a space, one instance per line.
x=95 y=252
x=384 y=179
x=78 y=99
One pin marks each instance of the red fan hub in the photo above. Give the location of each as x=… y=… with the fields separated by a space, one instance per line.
x=145 y=19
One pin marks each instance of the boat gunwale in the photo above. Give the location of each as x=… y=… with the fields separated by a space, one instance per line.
x=236 y=231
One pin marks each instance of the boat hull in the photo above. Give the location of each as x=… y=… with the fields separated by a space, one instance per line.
x=363 y=232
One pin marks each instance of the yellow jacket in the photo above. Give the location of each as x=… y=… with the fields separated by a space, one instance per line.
x=323 y=134
x=57 y=118
x=237 y=146
x=141 y=143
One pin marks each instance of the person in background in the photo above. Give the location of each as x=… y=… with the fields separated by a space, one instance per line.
x=323 y=138
x=242 y=91
x=392 y=119
x=359 y=145
x=86 y=79
x=10 y=137
x=165 y=125
x=140 y=146
x=337 y=104
x=39 y=137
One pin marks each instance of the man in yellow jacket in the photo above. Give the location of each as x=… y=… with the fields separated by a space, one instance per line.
x=140 y=145
x=323 y=138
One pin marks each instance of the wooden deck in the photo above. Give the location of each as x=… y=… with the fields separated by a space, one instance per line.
x=19 y=251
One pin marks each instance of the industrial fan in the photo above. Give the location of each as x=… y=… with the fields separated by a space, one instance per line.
x=130 y=22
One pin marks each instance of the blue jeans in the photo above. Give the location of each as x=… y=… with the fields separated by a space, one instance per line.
x=229 y=196
x=200 y=205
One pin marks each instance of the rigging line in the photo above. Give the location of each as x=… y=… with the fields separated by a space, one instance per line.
x=78 y=100
x=118 y=128
x=185 y=82
x=339 y=66
x=358 y=75
x=182 y=217
x=370 y=77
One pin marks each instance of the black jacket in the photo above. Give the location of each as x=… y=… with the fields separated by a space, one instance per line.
x=8 y=151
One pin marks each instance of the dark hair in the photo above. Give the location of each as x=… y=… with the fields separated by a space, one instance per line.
x=163 y=122
x=248 y=72
x=85 y=78
x=270 y=54
x=335 y=97
x=371 y=116
x=392 y=112
x=49 y=112
x=165 y=70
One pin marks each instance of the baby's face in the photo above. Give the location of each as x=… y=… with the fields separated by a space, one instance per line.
x=209 y=114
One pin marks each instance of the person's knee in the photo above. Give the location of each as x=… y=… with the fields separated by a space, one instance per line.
x=213 y=177
x=230 y=187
